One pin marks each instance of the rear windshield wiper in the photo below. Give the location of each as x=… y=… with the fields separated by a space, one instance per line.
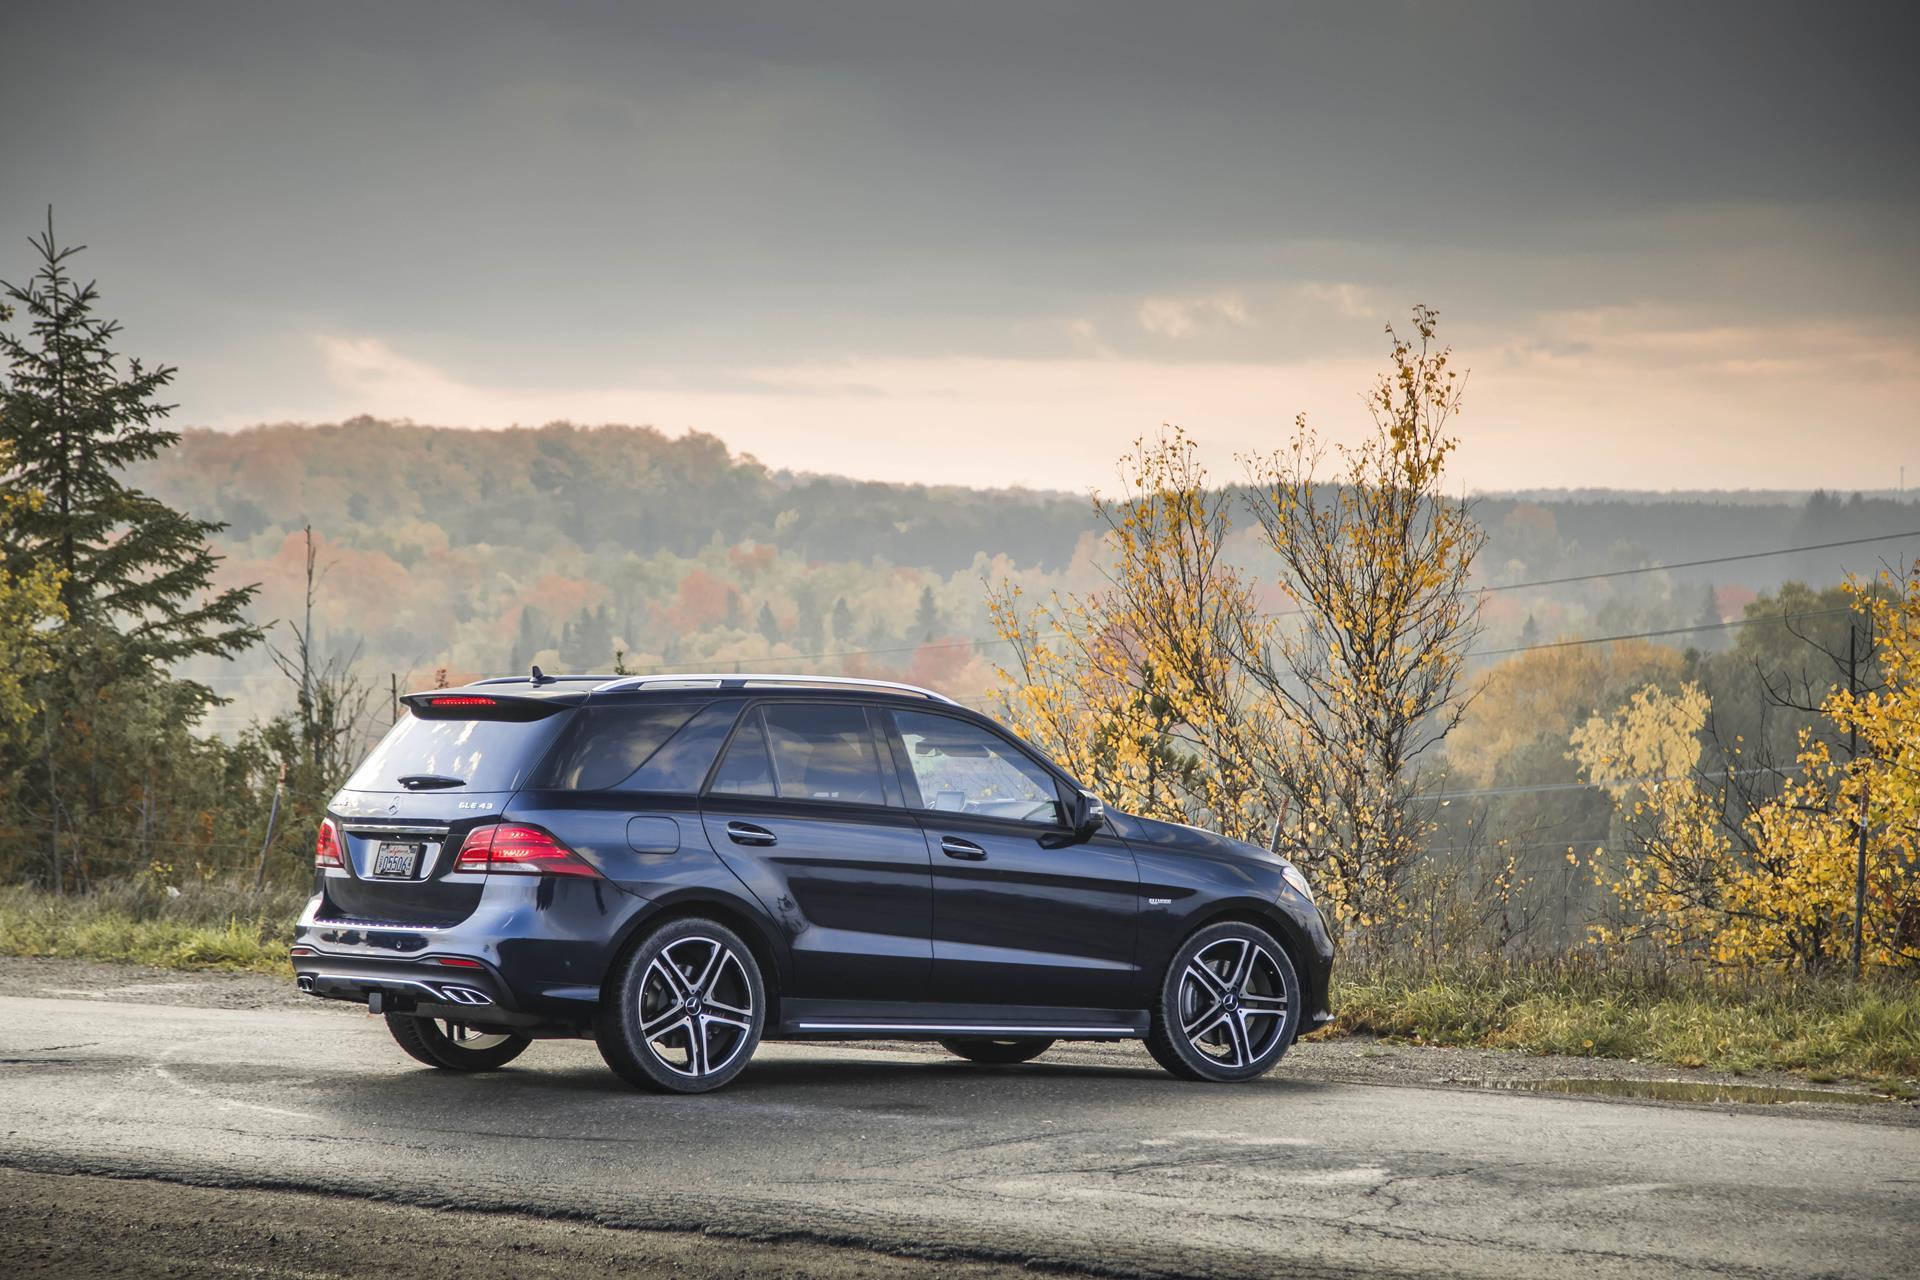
x=429 y=781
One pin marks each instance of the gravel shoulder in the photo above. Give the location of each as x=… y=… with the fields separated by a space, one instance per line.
x=1345 y=1059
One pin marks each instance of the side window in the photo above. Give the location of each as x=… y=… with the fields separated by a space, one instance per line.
x=747 y=769
x=824 y=752
x=963 y=768
x=803 y=751
x=606 y=745
x=683 y=762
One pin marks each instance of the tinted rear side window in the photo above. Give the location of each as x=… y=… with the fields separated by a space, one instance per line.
x=608 y=745
x=804 y=751
x=487 y=755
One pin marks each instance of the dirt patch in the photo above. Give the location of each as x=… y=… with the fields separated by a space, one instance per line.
x=69 y=1225
x=57 y=978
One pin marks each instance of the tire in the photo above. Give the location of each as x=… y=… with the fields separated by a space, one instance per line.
x=454 y=1046
x=1229 y=1005
x=998 y=1053
x=685 y=1010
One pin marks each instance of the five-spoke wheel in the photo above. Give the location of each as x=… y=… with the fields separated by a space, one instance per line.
x=686 y=1011
x=1229 y=1007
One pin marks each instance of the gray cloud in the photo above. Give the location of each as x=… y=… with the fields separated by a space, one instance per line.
x=566 y=191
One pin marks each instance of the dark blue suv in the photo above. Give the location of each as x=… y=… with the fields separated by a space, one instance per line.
x=680 y=866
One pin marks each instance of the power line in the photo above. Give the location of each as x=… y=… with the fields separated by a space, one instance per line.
x=1650 y=635
x=1633 y=635
x=1290 y=613
x=1695 y=564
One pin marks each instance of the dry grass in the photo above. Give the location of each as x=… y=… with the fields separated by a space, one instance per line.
x=1826 y=1027
x=205 y=926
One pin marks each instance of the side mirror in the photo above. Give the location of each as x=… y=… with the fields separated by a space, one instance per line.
x=1090 y=815
x=1086 y=814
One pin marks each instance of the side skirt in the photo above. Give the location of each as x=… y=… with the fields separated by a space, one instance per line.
x=850 y=1020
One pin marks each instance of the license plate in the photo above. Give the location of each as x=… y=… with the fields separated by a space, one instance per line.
x=397 y=860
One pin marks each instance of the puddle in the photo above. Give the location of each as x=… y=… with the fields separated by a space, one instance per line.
x=1685 y=1091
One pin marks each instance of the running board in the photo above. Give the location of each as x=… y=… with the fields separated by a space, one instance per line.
x=821 y=1018
x=894 y=1029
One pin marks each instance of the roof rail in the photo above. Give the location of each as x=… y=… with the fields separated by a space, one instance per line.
x=544 y=679
x=750 y=680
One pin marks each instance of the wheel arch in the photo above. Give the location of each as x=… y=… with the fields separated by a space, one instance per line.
x=741 y=917
x=1261 y=915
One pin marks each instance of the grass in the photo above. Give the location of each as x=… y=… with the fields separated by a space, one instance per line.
x=1824 y=1029
x=205 y=926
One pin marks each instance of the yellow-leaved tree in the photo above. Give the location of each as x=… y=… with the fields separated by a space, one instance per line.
x=1376 y=556
x=1170 y=692
x=1790 y=880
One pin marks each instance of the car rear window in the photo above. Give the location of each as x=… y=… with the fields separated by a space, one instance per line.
x=486 y=755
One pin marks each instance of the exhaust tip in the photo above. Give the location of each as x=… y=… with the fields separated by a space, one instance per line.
x=306 y=982
x=465 y=995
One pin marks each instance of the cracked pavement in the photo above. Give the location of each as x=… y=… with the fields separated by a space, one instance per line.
x=1078 y=1162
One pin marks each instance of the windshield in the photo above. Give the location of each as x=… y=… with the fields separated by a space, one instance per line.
x=485 y=755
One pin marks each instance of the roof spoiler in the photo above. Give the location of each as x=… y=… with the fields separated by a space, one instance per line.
x=471 y=703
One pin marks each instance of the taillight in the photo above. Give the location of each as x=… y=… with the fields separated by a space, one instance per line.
x=524 y=850
x=462 y=700
x=326 y=845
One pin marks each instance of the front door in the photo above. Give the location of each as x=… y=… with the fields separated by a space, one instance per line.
x=806 y=810
x=1015 y=922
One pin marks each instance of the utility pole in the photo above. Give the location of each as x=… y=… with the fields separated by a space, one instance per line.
x=393 y=687
x=1853 y=760
x=273 y=823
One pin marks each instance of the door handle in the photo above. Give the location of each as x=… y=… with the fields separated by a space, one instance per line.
x=964 y=850
x=747 y=833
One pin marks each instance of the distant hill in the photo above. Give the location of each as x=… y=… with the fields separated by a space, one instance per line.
x=480 y=551
x=595 y=488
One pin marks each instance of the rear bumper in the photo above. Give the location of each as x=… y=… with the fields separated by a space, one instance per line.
x=422 y=987
x=542 y=944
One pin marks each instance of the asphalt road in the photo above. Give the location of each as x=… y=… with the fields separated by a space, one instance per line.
x=1106 y=1166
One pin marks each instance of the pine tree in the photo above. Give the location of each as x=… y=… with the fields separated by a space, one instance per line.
x=529 y=639
x=927 y=619
x=768 y=624
x=137 y=576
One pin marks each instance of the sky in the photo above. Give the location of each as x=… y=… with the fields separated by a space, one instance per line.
x=985 y=243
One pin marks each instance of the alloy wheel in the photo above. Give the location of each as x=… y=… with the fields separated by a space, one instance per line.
x=1233 y=1002
x=696 y=1006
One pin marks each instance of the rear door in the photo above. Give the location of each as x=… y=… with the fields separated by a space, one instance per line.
x=1015 y=922
x=805 y=807
x=448 y=764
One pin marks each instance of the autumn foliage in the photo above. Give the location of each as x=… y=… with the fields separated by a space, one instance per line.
x=1172 y=690
x=1777 y=882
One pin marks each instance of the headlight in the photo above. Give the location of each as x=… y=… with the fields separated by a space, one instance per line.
x=1297 y=878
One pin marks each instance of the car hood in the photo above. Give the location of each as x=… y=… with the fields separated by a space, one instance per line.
x=1178 y=835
